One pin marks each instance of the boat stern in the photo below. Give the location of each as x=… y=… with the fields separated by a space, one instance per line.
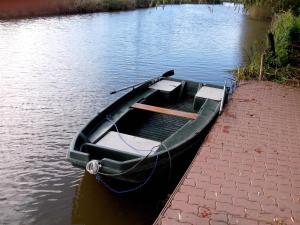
x=77 y=158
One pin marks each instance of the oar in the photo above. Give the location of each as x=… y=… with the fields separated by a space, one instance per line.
x=166 y=74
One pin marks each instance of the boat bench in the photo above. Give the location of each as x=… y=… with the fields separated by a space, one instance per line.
x=167 y=111
x=128 y=144
x=206 y=92
x=169 y=90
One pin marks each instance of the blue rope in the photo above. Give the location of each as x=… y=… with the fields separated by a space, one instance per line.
x=100 y=180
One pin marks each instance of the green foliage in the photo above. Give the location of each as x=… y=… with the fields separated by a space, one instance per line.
x=277 y=74
x=297 y=28
x=281 y=74
x=251 y=70
x=297 y=23
x=282 y=28
x=286 y=28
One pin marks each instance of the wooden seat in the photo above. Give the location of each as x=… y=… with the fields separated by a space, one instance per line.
x=172 y=112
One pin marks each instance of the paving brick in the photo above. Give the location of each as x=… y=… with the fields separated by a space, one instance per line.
x=189 y=182
x=218 y=216
x=218 y=197
x=192 y=191
x=208 y=186
x=215 y=222
x=228 y=190
x=184 y=207
x=173 y=214
x=203 y=202
x=224 y=182
x=199 y=177
x=244 y=221
x=193 y=219
x=242 y=179
x=248 y=188
x=261 y=198
x=247 y=171
x=167 y=221
x=229 y=208
x=245 y=203
x=181 y=196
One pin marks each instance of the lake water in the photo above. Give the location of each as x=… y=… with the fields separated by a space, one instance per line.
x=56 y=74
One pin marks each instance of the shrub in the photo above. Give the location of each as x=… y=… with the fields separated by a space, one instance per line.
x=282 y=28
x=278 y=67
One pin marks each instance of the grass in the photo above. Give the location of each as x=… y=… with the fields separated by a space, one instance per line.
x=251 y=70
x=284 y=65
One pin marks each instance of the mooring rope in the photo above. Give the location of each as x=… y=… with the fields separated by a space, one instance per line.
x=99 y=179
x=99 y=174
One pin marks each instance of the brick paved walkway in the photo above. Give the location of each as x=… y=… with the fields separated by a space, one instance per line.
x=248 y=169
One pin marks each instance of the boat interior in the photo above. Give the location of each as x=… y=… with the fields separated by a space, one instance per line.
x=149 y=119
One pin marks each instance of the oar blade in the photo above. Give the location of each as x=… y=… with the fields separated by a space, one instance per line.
x=168 y=73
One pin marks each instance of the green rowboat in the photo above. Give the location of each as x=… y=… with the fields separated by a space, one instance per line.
x=147 y=130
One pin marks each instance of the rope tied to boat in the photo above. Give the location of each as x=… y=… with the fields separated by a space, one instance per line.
x=100 y=180
x=93 y=167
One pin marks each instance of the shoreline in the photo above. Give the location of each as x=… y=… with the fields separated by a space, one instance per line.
x=19 y=9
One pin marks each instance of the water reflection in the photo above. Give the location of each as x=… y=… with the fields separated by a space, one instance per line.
x=253 y=35
x=93 y=203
